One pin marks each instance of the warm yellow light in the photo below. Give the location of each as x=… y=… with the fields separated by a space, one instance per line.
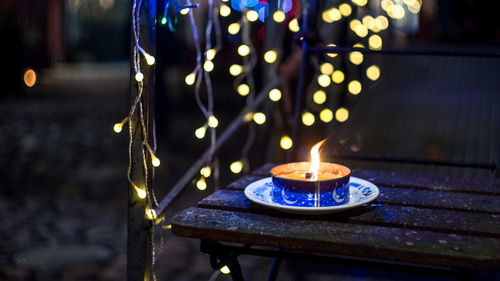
x=360 y=3
x=324 y=80
x=270 y=56
x=358 y=45
x=308 y=118
x=375 y=42
x=345 y=9
x=243 y=90
x=210 y=54
x=201 y=184
x=373 y=72
x=200 y=132
x=224 y=10
x=286 y=142
x=342 y=114
x=326 y=115
x=206 y=171
x=275 y=95
x=155 y=161
x=233 y=28
x=118 y=127
x=369 y=21
x=279 y=16
x=139 y=76
x=236 y=167
x=293 y=25
x=243 y=50
x=386 y=5
x=332 y=55
x=150 y=213
x=235 y=69
x=382 y=22
x=356 y=57
x=413 y=6
x=149 y=59
x=29 y=77
x=208 y=66
x=248 y=117
x=354 y=24
x=319 y=97
x=326 y=68
x=184 y=11
x=361 y=31
x=396 y=12
x=331 y=15
x=213 y=122
x=225 y=270
x=190 y=78
x=141 y=193
x=259 y=118
x=252 y=15
x=354 y=87
x=338 y=76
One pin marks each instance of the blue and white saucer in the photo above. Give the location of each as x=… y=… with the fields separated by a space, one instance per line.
x=360 y=192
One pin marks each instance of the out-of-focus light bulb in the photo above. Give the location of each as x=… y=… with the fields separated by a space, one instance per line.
x=200 y=132
x=233 y=28
x=332 y=55
x=224 y=10
x=29 y=77
x=213 y=122
x=279 y=16
x=150 y=213
x=236 y=167
x=184 y=11
x=338 y=76
x=293 y=25
x=139 y=76
x=208 y=66
x=252 y=15
x=326 y=68
x=259 y=118
x=225 y=270
x=149 y=59
x=360 y=3
x=286 y=142
x=324 y=80
x=243 y=89
x=270 y=56
x=354 y=87
x=154 y=160
x=275 y=95
x=382 y=22
x=345 y=9
x=206 y=171
x=201 y=184
x=243 y=50
x=190 y=79
x=235 y=69
x=373 y=72
x=342 y=114
x=118 y=127
x=356 y=57
x=319 y=97
x=210 y=54
x=375 y=42
x=164 y=21
x=326 y=115
x=308 y=118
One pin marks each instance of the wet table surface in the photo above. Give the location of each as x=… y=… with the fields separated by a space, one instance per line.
x=435 y=221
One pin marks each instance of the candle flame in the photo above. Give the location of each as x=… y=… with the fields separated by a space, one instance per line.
x=312 y=174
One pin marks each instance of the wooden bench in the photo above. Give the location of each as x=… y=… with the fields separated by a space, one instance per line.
x=437 y=224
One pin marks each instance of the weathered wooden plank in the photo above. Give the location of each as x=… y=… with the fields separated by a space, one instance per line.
x=422 y=247
x=480 y=224
x=241 y=183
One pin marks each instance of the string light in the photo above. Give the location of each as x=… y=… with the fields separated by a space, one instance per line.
x=373 y=72
x=149 y=58
x=235 y=69
x=200 y=132
x=141 y=192
x=338 y=76
x=184 y=11
x=243 y=50
x=375 y=42
x=345 y=9
x=360 y=3
x=190 y=79
x=356 y=57
x=224 y=10
x=210 y=54
x=164 y=21
x=324 y=80
x=259 y=118
x=319 y=97
x=331 y=15
x=208 y=66
x=326 y=68
x=236 y=167
x=381 y=22
x=332 y=55
x=243 y=89
x=342 y=114
x=119 y=126
x=396 y=12
x=326 y=115
x=206 y=171
x=293 y=25
x=279 y=16
x=225 y=270
x=270 y=56
x=308 y=118
x=275 y=95
x=155 y=161
x=252 y=15
x=29 y=77
x=354 y=87
x=369 y=21
x=213 y=122
x=286 y=142
x=201 y=184
x=248 y=117
x=139 y=76
x=150 y=213
x=233 y=28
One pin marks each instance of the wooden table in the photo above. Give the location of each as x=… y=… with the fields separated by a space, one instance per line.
x=419 y=222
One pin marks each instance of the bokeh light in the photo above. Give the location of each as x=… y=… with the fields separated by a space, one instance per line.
x=29 y=77
x=338 y=76
x=354 y=87
x=342 y=114
x=275 y=95
x=286 y=142
x=308 y=118
x=326 y=115
x=373 y=72
x=319 y=97
x=243 y=89
x=326 y=68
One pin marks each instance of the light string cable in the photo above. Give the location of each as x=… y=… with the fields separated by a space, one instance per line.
x=208 y=81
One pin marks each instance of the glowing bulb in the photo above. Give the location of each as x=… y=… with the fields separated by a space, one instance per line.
x=397 y=12
x=155 y=161
x=332 y=55
x=200 y=132
x=345 y=9
x=358 y=45
x=224 y=10
x=206 y=171
x=386 y=5
x=319 y=97
x=139 y=76
x=360 y=3
x=118 y=127
x=236 y=167
x=326 y=68
x=150 y=213
x=375 y=42
x=270 y=56
x=252 y=15
x=248 y=117
x=286 y=142
x=308 y=118
x=164 y=21
x=190 y=78
x=356 y=57
x=361 y=31
x=243 y=50
x=208 y=66
x=338 y=76
x=235 y=69
x=326 y=115
x=382 y=22
x=324 y=80
x=233 y=28
x=213 y=122
x=149 y=59
x=259 y=118
x=354 y=87
x=210 y=54
x=279 y=16
x=275 y=95
x=243 y=89
x=342 y=114
x=225 y=270
x=141 y=192
x=201 y=184
x=293 y=25
x=354 y=24
x=184 y=11
x=373 y=72
x=331 y=15
x=369 y=21
x=413 y=6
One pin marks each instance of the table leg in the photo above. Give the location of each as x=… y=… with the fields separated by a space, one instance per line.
x=275 y=267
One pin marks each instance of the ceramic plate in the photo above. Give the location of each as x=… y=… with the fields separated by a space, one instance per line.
x=360 y=191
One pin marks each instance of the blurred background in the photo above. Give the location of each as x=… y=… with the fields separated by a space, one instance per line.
x=65 y=82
